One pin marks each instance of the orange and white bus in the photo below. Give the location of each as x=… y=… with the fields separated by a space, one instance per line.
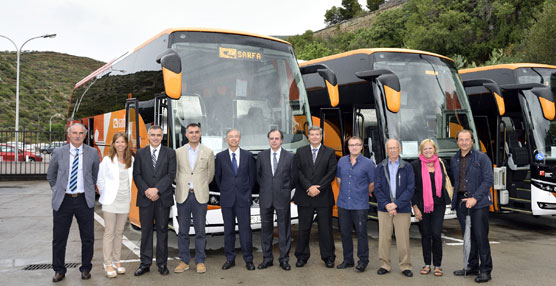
x=218 y=78
x=391 y=93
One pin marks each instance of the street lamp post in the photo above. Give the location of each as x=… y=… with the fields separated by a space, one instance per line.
x=50 y=127
x=18 y=50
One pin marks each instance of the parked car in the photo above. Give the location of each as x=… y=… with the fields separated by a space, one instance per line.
x=48 y=148
x=7 y=153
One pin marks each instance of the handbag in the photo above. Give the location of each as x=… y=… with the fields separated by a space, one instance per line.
x=448 y=185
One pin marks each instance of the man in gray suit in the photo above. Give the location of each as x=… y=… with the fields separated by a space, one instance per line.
x=72 y=175
x=276 y=170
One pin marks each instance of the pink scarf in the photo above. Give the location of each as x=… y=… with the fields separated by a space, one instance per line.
x=426 y=178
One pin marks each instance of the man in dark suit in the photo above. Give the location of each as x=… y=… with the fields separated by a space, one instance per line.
x=72 y=175
x=154 y=171
x=313 y=194
x=235 y=176
x=276 y=171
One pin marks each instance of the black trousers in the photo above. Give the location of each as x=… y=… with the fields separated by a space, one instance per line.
x=62 y=223
x=326 y=241
x=431 y=232
x=284 y=233
x=148 y=216
x=480 y=247
x=349 y=220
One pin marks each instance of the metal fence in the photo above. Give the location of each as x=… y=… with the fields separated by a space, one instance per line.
x=34 y=152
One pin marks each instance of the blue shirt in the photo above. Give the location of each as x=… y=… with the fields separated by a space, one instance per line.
x=355 y=180
x=393 y=170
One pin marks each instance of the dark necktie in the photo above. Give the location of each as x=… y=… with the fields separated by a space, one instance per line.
x=315 y=154
x=74 y=169
x=234 y=163
x=275 y=163
x=154 y=158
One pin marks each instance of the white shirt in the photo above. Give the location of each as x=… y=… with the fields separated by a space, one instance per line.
x=157 y=151
x=318 y=148
x=80 y=188
x=237 y=155
x=272 y=157
x=192 y=155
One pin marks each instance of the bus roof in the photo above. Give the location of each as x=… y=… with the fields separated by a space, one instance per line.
x=208 y=30
x=372 y=51
x=506 y=66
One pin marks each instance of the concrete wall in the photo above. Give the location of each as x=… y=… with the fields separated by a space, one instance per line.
x=357 y=23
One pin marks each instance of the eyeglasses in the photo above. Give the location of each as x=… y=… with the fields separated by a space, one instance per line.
x=354 y=145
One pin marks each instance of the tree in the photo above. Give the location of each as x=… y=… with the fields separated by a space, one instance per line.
x=349 y=9
x=333 y=16
x=373 y=5
x=539 y=43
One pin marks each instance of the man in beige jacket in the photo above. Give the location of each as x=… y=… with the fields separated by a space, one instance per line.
x=195 y=171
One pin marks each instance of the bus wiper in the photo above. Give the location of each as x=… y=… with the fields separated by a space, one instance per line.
x=540 y=75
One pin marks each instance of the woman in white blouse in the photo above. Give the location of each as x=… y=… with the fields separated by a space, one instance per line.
x=114 y=184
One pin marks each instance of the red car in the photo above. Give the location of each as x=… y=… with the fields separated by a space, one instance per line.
x=7 y=153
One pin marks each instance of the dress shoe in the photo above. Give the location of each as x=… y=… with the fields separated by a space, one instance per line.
x=58 y=277
x=407 y=273
x=141 y=270
x=249 y=265
x=163 y=270
x=361 y=267
x=329 y=263
x=300 y=263
x=344 y=265
x=381 y=271
x=482 y=277
x=285 y=265
x=466 y=271
x=265 y=264
x=85 y=275
x=228 y=265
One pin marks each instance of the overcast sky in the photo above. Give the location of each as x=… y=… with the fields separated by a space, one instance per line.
x=104 y=29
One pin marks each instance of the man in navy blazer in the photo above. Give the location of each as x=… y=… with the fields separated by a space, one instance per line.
x=317 y=168
x=235 y=176
x=154 y=171
x=276 y=172
x=72 y=175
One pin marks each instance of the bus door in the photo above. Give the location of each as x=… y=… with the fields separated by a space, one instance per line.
x=91 y=135
x=365 y=126
x=132 y=124
x=161 y=103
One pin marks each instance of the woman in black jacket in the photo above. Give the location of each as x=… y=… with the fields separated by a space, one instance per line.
x=429 y=203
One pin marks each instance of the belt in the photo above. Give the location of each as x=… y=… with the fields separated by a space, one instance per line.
x=191 y=190
x=73 y=195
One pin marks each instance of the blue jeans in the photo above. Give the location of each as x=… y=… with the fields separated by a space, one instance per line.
x=199 y=211
x=347 y=220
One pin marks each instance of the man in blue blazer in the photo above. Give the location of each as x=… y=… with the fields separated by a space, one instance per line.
x=154 y=171
x=72 y=175
x=235 y=176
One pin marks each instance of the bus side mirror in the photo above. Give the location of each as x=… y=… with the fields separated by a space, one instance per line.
x=493 y=88
x=390 y=83
x=171 y=72
x=329 y=78
x=546 y=99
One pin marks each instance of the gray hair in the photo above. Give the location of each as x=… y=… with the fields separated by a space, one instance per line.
x=233 y=129
x=314 y=127
x=153 y=127
x=393 y=139
x=77 y=124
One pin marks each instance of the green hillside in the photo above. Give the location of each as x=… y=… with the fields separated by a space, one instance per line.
x=46 y=82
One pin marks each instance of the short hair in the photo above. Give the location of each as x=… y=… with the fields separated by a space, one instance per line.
x=392 y=139
x=193 y=125
x=78 y=124
x=428 y=141
x=314 y=127
x=464 y=131
x=274 y=130
x=355 y=138
x=154 y=127
x=233 y=129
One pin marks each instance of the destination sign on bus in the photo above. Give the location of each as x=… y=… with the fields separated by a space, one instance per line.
x=240 y=54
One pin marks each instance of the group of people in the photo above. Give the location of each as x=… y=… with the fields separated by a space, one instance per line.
x=399 y=187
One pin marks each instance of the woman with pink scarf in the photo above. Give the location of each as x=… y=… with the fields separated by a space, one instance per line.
x=429 y=203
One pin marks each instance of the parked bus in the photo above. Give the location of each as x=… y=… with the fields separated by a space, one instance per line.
x=217 y=78
x=392 y=93
x=513 y=108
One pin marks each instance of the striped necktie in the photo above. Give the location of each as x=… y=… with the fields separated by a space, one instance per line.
x=154 y=158
x=74 y=170
x=275 y=163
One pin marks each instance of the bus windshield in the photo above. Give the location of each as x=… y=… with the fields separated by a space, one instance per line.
x=433 y=102
x=232 y=81
x=543 y=130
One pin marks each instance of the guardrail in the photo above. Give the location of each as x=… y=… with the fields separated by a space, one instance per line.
x=34 y=152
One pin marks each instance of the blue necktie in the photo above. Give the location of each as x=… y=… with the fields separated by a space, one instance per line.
x=234 y=163
x=275 y=162
x=74 y=169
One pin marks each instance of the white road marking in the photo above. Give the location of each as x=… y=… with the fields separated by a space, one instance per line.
x=128 y=243
x=460 y=241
